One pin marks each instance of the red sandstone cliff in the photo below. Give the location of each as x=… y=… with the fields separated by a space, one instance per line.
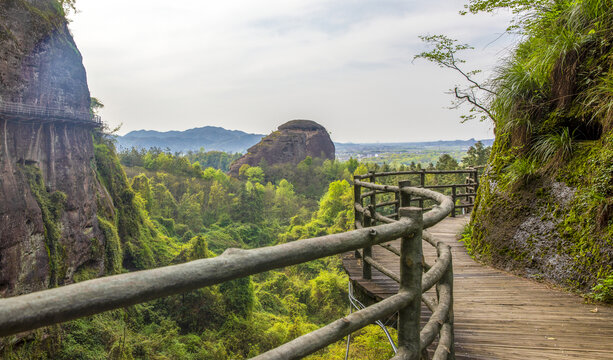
x=40 y=65
x=291 y=143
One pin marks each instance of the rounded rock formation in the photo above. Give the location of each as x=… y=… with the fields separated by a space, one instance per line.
x=291 y=143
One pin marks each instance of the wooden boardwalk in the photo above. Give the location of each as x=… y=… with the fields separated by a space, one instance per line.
x=502 y=316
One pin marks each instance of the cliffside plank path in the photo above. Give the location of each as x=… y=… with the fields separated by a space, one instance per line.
x=489 y=319
x=34 y=113
x=497 y=315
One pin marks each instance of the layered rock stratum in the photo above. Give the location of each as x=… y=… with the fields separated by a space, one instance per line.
x=291 y=143
x=48 y=184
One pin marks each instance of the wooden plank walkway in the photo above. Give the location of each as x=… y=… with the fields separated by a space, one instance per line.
x=502 y=316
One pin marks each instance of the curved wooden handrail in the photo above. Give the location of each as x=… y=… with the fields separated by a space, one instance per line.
x=413 y=172
x=466 y=198
x=440 y=273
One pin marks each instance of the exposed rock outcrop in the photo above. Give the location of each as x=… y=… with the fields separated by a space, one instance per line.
x=48 y=184
x=555 y=228
x=291 y=143
x=39 y=61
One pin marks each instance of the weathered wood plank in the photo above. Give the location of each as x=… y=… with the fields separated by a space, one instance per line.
x=499 y=315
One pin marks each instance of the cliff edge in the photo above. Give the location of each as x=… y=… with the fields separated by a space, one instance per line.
x=48 y=186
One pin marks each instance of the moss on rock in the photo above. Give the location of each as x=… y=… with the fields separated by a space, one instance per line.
x=51 y=206
x=556 y=226
x=545 y=204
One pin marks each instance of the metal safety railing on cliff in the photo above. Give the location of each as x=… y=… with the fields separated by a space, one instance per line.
x=42 y=113
x=47 y=307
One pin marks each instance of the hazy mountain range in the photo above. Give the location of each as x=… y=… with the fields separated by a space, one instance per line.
x=386 y=147
x=218 y=138
x=209 y=137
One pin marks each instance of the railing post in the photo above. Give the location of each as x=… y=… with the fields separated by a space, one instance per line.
x=469 y=188
x=411 y=268
x=367 y=251
x=405 y=199
x=397 y=206
x=373 y=197
x=422 y=182
x=453 y=198
x=448 y=279
x=357 y=199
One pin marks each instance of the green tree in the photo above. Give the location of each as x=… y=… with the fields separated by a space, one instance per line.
x=164 y=204
x=444 y=53
x=188 y=210
x=286 y=204
x=238 y=296
x=352 y=164
x=446 y=162
x=335 y=202
x=477 y=155
x=140 y=184
x=255 y=174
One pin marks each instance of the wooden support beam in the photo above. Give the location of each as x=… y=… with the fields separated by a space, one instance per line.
x=411 y=256
x=453 y=199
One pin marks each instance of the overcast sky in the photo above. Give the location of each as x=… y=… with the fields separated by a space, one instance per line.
x=253 y=65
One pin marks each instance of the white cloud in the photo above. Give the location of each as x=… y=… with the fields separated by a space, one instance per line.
x=252 y=65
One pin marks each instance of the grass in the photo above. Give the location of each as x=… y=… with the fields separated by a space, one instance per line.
x=557 y=145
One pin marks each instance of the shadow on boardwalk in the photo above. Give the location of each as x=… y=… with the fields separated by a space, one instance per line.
x=502 y=316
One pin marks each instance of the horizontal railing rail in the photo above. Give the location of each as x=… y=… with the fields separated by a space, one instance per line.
x=440 y=273
x=45 y=113
x=34 y=310
x=416 y=172
x=462 y=195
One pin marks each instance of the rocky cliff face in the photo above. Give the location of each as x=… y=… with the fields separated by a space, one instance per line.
x=39 y=61
x=291 y=143
x=48 y=185
x=555 y=227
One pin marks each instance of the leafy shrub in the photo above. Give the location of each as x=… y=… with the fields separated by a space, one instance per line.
x=603 y=291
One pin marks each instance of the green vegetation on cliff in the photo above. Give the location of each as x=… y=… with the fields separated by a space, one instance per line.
x=544 y=207
x=142 y=243
x=51 y=206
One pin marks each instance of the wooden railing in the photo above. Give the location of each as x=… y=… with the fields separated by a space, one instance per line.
x=33 y=112
x=367 y=216
x=43 y=308
x=462 y=200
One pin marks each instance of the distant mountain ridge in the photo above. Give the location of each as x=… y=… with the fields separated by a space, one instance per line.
x=414 y=145
x=233 y=141
x=209 y=137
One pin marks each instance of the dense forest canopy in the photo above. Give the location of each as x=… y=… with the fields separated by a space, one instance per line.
x=168 y=208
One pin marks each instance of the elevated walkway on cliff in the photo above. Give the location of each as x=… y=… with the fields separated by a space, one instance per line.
x=499 y=315
x=33 y=113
